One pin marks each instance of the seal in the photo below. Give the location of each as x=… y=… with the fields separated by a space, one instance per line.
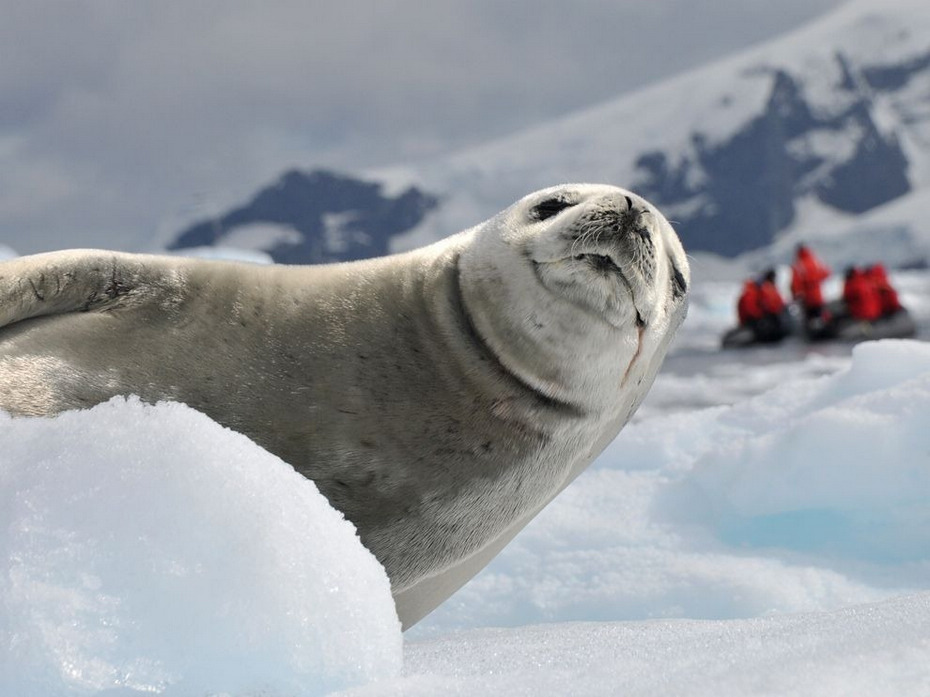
x=439 y=398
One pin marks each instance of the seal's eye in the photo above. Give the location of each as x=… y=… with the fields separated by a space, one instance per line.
x=550 y=207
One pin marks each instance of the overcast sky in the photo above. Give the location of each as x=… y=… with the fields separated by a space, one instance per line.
x=122 y=119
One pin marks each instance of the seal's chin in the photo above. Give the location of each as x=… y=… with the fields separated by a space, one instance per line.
x=604 y=264
x=597 y=284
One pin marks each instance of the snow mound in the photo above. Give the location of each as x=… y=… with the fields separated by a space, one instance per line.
x=839 y=468
x=875 y=650
x=146 y=549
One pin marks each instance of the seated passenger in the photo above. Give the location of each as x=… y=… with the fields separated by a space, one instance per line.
x=748 y=307
x=769 y=297
x=772 y=326
x=860 y=296
x=888 y=301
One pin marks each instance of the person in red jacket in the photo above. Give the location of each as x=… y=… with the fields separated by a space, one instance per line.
x=807 y=273
x=887 y=296
x=769 y=297
x=748 y=307
x=772 y=326
x=860 y=296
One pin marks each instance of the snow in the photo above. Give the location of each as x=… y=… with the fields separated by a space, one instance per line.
x=877 y=649
x=338 y=233
x=761 y=527
x=226 y=253
x=147 y=550
x=261 y=236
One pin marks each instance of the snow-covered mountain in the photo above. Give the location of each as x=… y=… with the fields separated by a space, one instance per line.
x=314 y=217
x=822 y=135
x=812 y=130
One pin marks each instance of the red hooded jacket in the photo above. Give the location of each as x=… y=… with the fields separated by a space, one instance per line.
x=887 y=295
x=807 y=273
x=861 y=297
x=770 y=299
x=748 y=307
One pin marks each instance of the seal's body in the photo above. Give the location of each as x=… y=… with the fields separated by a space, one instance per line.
x=438 y=398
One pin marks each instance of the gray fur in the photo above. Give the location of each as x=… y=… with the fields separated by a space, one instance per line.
x=438 y=398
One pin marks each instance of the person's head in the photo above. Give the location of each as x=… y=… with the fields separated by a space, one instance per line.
x=876 y=271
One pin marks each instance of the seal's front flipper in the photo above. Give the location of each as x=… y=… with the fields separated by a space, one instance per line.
x=71 y=281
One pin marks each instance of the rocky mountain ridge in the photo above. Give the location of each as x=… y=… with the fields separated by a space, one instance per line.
x=313 y=217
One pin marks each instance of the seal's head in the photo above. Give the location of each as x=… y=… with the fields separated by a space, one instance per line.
x=593 y=272
x=608 y=251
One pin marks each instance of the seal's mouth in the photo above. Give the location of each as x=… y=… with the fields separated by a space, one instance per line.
x=601 y=262
x=605 y=264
